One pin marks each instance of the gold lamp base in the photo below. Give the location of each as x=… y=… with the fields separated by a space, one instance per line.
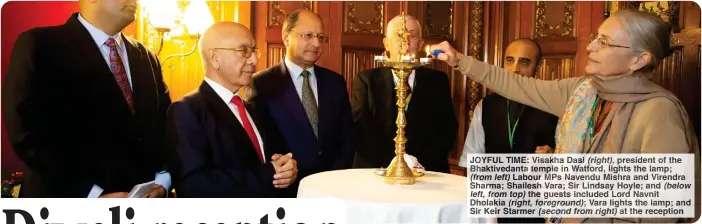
x=402 y=65
x=400 y=173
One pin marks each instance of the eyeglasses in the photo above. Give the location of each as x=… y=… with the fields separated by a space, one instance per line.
x=248 y=51
x=309 y=36
x=602 y=42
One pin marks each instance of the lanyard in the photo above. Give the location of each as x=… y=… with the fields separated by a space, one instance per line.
x=511 y=130
x=593 y=118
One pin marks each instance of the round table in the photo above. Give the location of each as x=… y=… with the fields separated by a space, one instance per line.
x=434 y=198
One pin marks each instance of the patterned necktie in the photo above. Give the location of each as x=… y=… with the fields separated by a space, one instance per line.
x=247 y=125
x=119 y=72
x=308 y=101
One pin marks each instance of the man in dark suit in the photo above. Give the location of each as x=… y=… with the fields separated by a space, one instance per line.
x=309 y=104
x=85 y=106
x=500 y=125
x=220 y=146
x=431 y=123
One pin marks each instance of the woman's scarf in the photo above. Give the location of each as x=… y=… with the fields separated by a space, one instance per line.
x=624 y=92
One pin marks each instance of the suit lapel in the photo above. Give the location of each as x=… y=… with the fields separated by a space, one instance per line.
x=291 y=101
x=325 y=102
x=417 y=100
x=386 y=89
x=143 y=83
x=225 y=115
x=93 y=61
x=262 y=126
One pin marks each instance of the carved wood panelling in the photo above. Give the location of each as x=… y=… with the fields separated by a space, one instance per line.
x=276 y=52
x=669 y=71
x=556 y=68
x=554 y=19
x=278 y=10
x=475 y=40
x=438 y=22
x=667 y=10
x=364 y=17
x=687 y=37
x=355 y=61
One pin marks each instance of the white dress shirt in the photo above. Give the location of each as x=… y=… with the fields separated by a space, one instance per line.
x=475 y=139
x=162 y=178
x=100 y=38
x=227 y=96
x=296 y=75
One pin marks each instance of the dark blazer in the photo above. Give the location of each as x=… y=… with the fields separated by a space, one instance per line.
x=333 y=150
x=211 y=156
x=68 y=121
x=431 y=123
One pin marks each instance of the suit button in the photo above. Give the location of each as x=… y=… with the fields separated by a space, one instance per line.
x=319 y=153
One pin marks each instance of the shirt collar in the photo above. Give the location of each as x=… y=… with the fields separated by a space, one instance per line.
x=295 y=70
x=98 y=35
x=223 y=92
x=396 y=79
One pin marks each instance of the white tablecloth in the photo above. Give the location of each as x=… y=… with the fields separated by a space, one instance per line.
x=435 y=198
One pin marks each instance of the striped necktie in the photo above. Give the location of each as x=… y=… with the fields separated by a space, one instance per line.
x=309 y=102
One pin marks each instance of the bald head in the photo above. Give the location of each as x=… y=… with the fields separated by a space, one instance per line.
x=395 y=25
x=228 y=53
x=223 y=35
x=392 y=40
x=522 y=56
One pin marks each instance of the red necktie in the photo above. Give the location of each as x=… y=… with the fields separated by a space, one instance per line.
x=119 y=72
x=247 y=125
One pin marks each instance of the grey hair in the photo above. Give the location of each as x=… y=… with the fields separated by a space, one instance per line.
x=407 y=18
x=648 y=32
x=292 y=18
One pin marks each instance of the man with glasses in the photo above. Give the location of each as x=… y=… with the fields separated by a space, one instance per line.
x=221 y=146
x=431 y=124
x=309 y=104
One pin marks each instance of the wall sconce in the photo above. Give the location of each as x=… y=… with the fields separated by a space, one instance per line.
x=180 y=20
x=162 y=16
x=196 y=18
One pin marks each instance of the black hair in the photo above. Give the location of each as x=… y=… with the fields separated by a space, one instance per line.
x=292 y=18
x=536 y=44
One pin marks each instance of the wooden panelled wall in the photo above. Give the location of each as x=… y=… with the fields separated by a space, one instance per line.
x=482 y=30
x=357 y=28
x=479 y=29
x=183 y=72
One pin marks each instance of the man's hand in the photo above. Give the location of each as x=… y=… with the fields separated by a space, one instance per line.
x=544 y=149
x=285 y=170
x=449 y=55
x=115 y=195
x=157 y=191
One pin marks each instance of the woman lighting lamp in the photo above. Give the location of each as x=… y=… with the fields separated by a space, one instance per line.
x=615 y=108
